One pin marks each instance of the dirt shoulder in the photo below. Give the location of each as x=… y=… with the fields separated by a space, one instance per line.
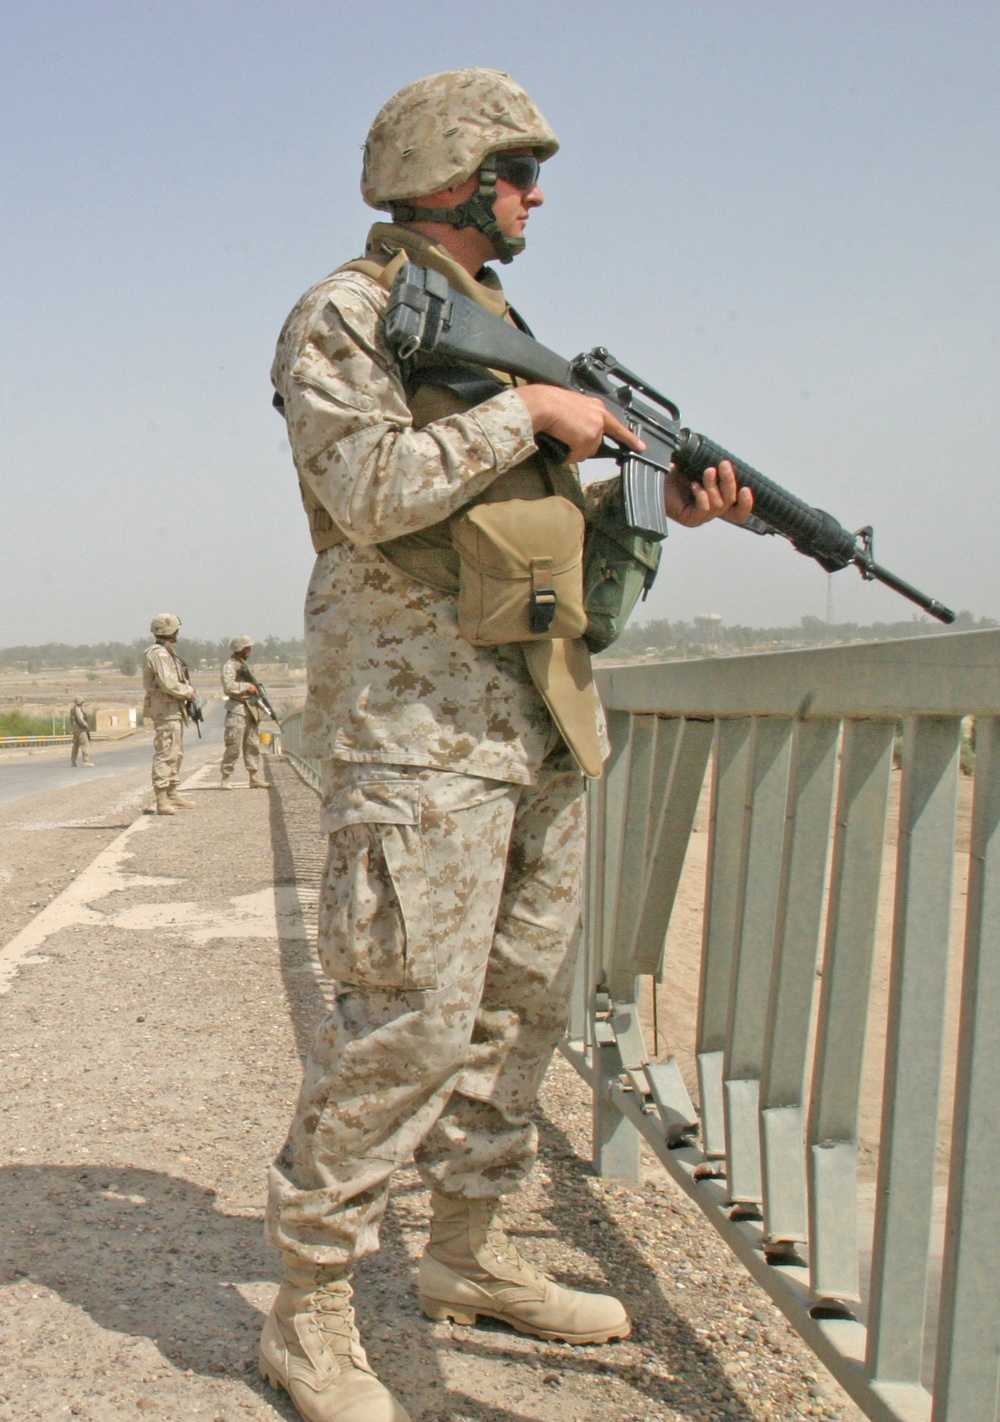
x=150 y=1055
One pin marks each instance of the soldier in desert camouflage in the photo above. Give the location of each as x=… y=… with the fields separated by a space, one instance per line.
x=168 y=693
x=242 y=730
x=453 y=804
x=80 y=730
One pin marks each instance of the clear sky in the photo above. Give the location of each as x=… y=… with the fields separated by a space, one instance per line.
x=782 y=212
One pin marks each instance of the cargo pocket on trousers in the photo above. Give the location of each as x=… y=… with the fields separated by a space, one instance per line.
x=376 y=925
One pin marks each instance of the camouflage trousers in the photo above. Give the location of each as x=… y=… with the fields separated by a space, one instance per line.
x=241 y=734
x=80 y=746
x=168 y=752
x=449 y=915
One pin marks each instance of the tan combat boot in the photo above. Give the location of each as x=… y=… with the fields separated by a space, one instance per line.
x=163 y=805
x=224 y=783
x=180 y=802
x=470 y=1267
x=310 y=1347
x=257 y=783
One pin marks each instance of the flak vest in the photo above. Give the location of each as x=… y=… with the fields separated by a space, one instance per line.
x=560 y=667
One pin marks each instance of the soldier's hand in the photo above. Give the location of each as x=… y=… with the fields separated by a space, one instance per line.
x=579 y=421
x=693 y=502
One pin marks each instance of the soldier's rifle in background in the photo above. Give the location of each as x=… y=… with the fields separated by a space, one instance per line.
x=260 y=697
x=442 y=333
x=194 y=709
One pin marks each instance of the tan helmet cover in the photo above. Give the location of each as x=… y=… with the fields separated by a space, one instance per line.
x=436 y=132
x=165 y=624
x=240 y=644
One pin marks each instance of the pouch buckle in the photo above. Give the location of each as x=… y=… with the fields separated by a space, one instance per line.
x=542 y=607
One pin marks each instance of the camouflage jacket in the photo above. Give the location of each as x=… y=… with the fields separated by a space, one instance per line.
x=389 y=677
x=166 y=691
x=237 y=691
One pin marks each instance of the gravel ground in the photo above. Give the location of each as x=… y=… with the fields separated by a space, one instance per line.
x=150 y=1055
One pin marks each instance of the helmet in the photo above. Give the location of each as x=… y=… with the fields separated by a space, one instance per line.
x=437 y=132
x=78 y=701
x=165 y=624
x=240 y=644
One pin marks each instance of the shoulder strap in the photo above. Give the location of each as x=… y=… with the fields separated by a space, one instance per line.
x=383 y=273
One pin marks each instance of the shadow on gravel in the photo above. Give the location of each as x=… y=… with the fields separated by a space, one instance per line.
x=700 y=1385
x=296 y=842
x=589 y=1225
x=143 y=1254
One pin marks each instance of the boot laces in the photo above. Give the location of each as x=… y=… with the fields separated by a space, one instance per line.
x=334 y=1317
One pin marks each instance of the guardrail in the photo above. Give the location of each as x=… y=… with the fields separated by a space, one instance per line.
x=35 y=740
x=65 y=740
x=291 y=749
x=799 y=748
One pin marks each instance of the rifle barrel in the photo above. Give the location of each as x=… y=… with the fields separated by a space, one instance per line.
x=936 y=609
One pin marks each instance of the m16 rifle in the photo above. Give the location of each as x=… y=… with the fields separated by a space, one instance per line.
x=194 y=709
x=438 y=332
x=260 y=698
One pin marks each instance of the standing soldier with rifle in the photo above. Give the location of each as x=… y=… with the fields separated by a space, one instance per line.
x=170 y=700
x=80 y=728
x=454 y=731
x=243 y=710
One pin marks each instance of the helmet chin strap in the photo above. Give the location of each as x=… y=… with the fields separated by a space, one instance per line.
x=477 y=211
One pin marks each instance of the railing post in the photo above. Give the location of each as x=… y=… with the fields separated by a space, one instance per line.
x=765 y=796
x=862 y=804
x=913 y=1050
x=616 y=1142
x=965 y=1384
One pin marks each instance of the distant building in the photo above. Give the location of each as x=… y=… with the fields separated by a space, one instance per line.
x=114 y=720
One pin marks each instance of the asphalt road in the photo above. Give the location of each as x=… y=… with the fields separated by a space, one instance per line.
x=48 y=771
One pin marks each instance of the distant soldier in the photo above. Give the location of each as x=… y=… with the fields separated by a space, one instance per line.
x=81 y=734
x=242 y=731
x=168 y=695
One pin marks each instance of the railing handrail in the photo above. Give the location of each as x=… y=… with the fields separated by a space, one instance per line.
x=955 y=673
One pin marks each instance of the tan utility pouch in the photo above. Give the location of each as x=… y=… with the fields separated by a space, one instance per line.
x=520 y=571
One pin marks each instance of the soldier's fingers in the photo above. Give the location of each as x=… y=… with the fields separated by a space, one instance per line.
x=727 y=484
x=707 y=490
x=614 y=427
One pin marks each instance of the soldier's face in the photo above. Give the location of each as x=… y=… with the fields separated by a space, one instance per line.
x=513 y=205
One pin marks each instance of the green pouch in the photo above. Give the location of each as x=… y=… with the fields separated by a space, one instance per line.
x=619 y=566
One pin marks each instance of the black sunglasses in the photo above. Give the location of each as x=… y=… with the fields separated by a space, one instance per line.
x=519 y=169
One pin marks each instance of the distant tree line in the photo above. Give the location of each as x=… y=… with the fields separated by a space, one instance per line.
x=694 y=639
x=126 y=656
x=676 y=639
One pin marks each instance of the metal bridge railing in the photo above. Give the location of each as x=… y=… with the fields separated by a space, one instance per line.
x=291 y=749
x=798 y=748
